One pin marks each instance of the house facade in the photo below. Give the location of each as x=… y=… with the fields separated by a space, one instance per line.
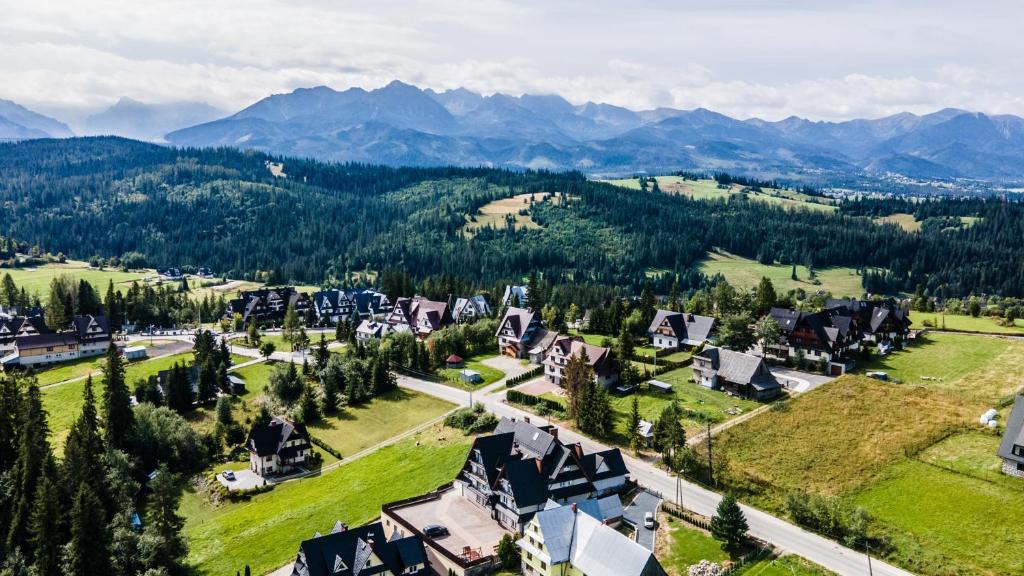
x=420 y=316
x=1011 y=449
x=674 y=330
x=370 y=329
x=827 y=337
x=469 y=309
x=518 y=296
x=517 y=331
x=14 y=327
x=267 y=306
x=361 y=551
x=739 y=373
x=606 y=371
x=34 y=345
x=277 y=446
x=565 y=540
x=333 y=306
x=882 y=322
x=513 y=472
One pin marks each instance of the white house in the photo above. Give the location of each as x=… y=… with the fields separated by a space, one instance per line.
x=277 y=446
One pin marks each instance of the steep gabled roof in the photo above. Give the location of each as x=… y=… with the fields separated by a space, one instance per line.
x=518 y=320
x=270 y=438
x=740 y=368
x=345 y=552
x=685 y=325
x=1014 y=434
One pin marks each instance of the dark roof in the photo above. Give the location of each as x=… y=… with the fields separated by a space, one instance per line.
x=344 y=553
x=1014 y=434
x=270 y=438
x=82 y=323
x=46 y=340
x=685 y=325
x=601 y=465
x=518 y=320
x=740 y=368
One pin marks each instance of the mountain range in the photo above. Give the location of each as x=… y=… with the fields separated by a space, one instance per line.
x=401 y=124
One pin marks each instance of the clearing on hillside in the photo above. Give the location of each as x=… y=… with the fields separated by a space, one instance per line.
x=746 y=273
x=711 y=190
x=498 y=213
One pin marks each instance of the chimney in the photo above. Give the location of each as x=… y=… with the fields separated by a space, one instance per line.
x=526 y=419
x=540 y=465
x=554 y=433
x=579 y=451
x=573 y=507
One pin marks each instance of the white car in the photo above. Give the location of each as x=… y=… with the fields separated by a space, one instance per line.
x=649 y=520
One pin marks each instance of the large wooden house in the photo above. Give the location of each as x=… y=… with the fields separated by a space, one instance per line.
x=518 y=331
x=277 y=447
x=362 y=551
x=673 y=330
x=267 y=306
x=600 y=360
x=420 y=316
x=356 y=305
x=739 y=373
x=821 y=337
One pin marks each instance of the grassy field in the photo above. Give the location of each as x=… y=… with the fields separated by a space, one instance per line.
x=679 y=546
x=495 y=214
x=746 y=273
x=709 y=190
x=788 y=565
x=360 y=427
x=266 y=531
x=980 y=368
x=942 y=517
x=962 y=323
x=37 y=280
x=905 y=221
x=490 y=375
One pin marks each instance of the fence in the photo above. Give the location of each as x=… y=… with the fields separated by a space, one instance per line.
x=760 y=551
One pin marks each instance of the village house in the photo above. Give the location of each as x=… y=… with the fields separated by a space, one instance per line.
x=14 y=327
x=738 y=373
x=469 y=309
x=517 y=332
x=606 y=370
x=826 y=337
x=34 y=345
x=519 y=467
x=882 y=322
x=370 y=329
x=674 y=330
x=360 y=551
x=420 y=316
x=277 y=446
x=267 y=306
x=565 y=539
x=355 y=305
x=518 y=296
x=1011 y=449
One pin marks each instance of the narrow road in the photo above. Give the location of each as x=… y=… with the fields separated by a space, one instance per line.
x=763 y=525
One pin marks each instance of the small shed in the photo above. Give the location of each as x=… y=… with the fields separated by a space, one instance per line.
x=237 y=384
x=646 y=431
x=134 y=353
x=471 y=376
x=659 y=385
x=454 y=361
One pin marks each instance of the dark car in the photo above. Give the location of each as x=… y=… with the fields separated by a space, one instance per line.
x=435 y=530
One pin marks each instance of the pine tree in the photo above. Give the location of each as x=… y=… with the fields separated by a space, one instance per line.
x=290 y=328
x=729 y=524
x=118 y=417
x=45 y=525
x=83 y=451
x=574 y=380
x=647 y=303
x=179 y=389
x=33 y=455
x=88 y=550
x=321 y=354
x=164 y=524
x=8 y=291
x=11 y=406
x=633 y=425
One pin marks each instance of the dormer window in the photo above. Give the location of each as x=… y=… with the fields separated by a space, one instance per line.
x=1018 y=450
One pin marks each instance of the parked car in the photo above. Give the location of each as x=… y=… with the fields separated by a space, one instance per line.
x=649 y=520
x=228 y=475
x=435 y=530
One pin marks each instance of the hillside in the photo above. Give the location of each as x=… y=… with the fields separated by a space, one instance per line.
x=400 y=124
x=225 y=209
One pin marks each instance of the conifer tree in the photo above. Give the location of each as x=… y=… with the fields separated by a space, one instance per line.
x=290 y=327
x=729 y=524
x=33 y=455
x=83 y=451
x=164 y=524
x=118 y=418
x=633 y=425
x=45 y=525
x=88 y=550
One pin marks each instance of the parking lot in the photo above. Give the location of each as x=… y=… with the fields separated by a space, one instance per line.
x=471 y=527
x=245 y=479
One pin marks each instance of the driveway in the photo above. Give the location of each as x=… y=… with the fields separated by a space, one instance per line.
x=245 y=479
x=796 y=381
x=512 y=367
x=634 y=513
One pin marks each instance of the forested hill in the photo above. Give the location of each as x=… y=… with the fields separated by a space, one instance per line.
x=225 y=209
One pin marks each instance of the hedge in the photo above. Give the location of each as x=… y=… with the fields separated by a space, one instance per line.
x=325 y=447
x=531 y=400
x=530 y=375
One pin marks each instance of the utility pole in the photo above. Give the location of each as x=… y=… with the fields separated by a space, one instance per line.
x=867 y=549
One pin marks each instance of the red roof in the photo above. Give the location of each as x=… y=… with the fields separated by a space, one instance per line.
x=454 y=359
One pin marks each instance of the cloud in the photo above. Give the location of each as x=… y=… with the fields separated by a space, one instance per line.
x=740 y=57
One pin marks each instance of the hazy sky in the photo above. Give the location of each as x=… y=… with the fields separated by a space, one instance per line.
x=818 y=59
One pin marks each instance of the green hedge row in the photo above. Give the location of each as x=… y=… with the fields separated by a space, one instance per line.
x=531 y=400
x=525 y=376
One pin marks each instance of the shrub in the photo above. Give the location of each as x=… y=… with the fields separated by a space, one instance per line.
x=830 y=515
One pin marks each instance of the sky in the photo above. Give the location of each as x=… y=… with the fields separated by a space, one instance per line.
x=827 y=60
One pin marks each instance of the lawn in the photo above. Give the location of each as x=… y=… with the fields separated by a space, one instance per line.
x=976 y=367
x=942 y=519
x=963 y=323
x=788 y=565
x=680 y=546
x=68 y=370
x=969 y=453
x=593 y=339
x=490 y=375
x=360 y=427
x=904 y=221
x=37 y=280
x=266 y=531
x=63 y=403
x=745 y=273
